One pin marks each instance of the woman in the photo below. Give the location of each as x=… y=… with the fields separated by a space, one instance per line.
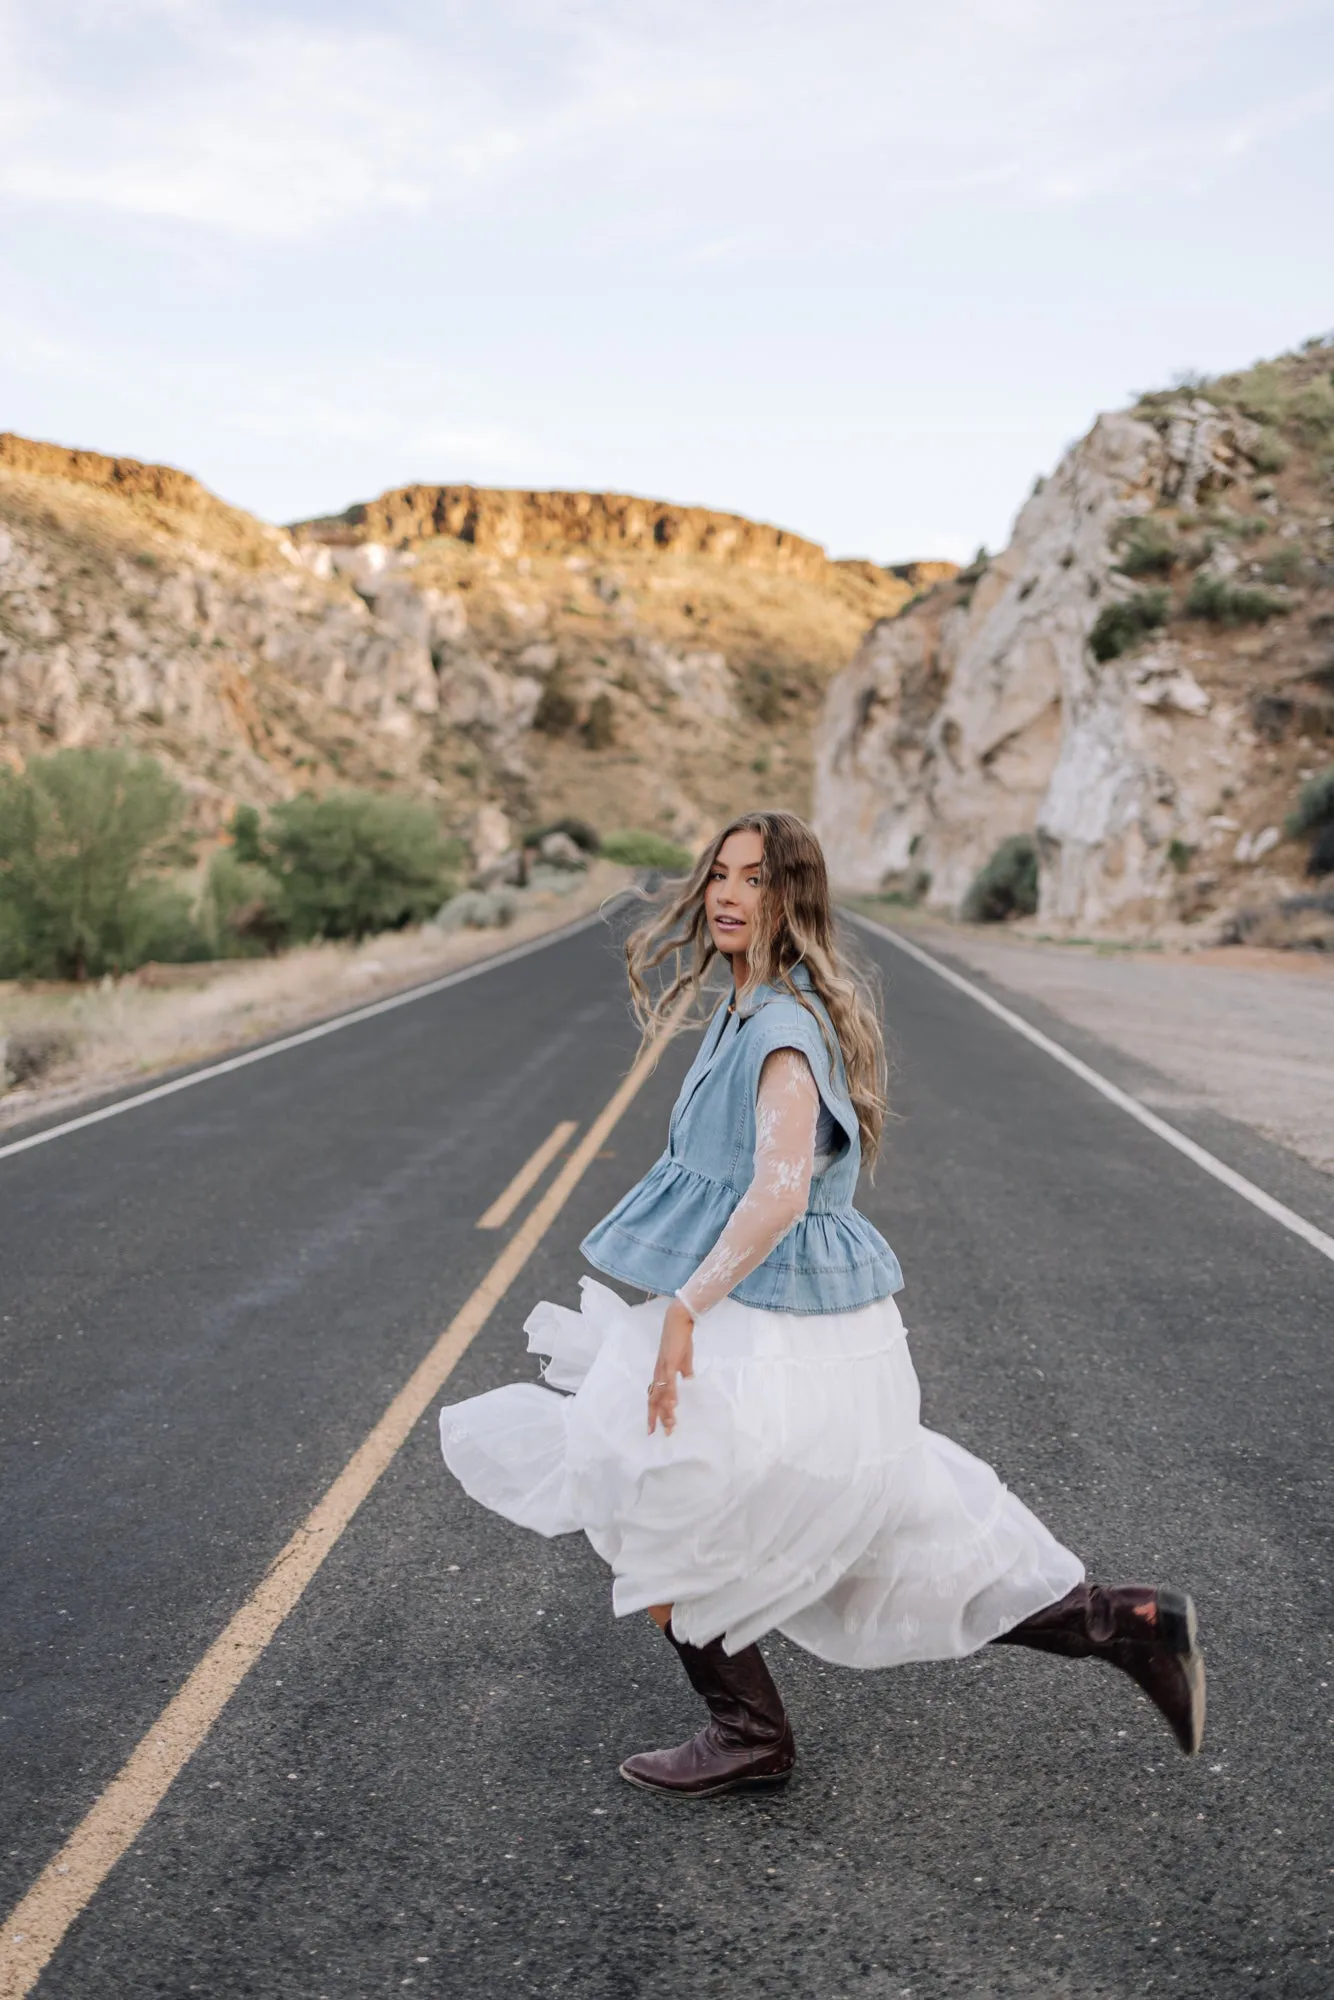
x=781 y=1478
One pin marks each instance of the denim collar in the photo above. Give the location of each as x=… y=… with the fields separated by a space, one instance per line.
x=758 y=995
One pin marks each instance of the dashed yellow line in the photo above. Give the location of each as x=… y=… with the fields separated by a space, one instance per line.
x=504 y=1205
x=72 y=1877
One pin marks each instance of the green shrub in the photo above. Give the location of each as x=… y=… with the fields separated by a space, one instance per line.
x=1227 y=603
x=1242 y=527
x=80 y=831
x=354 y=862
x=1311 y=409
x=1320 y=859
x=1260 y=392
x=636 y=848
x=1007 y=886
x=247 y=835
x=1315 y=805
x=1121 y=625
x=1180 y=854
x=1314 y=814
x=1270 y=452
x=243 y=912
x=1147 y=546
x=1284 y=566
x=160 y=925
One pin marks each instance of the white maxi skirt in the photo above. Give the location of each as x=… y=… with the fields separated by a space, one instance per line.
x=798 y=1492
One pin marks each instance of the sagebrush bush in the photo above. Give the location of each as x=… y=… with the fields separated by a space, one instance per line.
x=1242 y=527
x=1284 y=566
x=81 y=832
x=1007 y=886
x=29 y=1052
x=634 y=847
x=1147 y=546
x=351 y=863
x=1122 y=624
x=1223 y=602
x=1270 y=452
x=1311 y=410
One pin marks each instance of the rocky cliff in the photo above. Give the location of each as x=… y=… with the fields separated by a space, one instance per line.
x=1142 y=678
x=522 y=655
x=507 y=523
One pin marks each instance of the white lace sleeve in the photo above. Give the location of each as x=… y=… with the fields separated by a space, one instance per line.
x=786 y=1110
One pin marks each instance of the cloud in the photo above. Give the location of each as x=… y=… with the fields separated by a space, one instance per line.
x=275 y=124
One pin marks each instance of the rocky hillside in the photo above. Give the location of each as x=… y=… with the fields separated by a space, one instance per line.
x=1143 y=678
x=519 y=654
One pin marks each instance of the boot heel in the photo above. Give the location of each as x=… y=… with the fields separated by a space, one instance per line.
x=1176 y=1620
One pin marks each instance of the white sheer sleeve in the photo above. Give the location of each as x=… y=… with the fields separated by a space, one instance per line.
x=786 y=1112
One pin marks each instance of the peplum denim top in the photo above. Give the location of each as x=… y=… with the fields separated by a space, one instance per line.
x=832 y=1260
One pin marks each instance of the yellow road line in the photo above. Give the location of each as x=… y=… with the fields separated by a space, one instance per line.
x=72 y=1877
x=504 y=1205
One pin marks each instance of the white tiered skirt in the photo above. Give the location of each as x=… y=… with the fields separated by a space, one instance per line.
x=798 y=1492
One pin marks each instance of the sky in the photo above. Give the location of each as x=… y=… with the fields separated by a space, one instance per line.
x=860 y=268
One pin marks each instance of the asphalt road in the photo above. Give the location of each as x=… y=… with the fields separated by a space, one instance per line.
x=205 y=1305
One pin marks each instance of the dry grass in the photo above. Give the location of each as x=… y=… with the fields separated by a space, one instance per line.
x=116 y=1033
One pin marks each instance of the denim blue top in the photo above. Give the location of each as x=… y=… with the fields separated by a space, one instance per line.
x=832 y=1260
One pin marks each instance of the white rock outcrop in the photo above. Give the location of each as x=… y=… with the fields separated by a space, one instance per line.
x=959 y=723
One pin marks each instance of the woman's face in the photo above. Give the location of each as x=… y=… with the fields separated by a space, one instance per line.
x=732 y=894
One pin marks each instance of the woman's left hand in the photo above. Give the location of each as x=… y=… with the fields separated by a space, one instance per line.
x=676 y=1357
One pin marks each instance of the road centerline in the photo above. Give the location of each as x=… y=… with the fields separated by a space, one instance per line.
x=505 y=1203
x=35 y=1927
x=1277 y=1211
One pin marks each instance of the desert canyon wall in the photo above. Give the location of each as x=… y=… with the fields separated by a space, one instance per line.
x=526 y=655
x=1142 y=678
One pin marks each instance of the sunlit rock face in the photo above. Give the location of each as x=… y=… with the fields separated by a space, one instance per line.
x=983 y=709
x=537 y=656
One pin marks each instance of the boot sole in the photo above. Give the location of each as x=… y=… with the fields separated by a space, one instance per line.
x=1176 y=1620
x=1177 y=1627
x=768 y=1781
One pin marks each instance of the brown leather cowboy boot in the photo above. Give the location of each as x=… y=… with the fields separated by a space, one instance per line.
x=747 y=1742
x=1149 y=1634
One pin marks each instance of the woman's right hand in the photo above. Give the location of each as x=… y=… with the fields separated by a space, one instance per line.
x=676 y=1357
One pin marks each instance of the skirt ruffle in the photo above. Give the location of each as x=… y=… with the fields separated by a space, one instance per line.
x=798 y=1491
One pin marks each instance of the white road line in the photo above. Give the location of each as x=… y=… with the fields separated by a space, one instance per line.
x=297 y=1041
x=504 y=1205
x=1277 y=1211
x=70 y=1880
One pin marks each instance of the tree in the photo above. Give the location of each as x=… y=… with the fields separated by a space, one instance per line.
x=79 y=831
x=355 y=862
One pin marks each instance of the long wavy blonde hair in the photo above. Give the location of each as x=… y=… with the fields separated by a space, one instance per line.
x=794 y=924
